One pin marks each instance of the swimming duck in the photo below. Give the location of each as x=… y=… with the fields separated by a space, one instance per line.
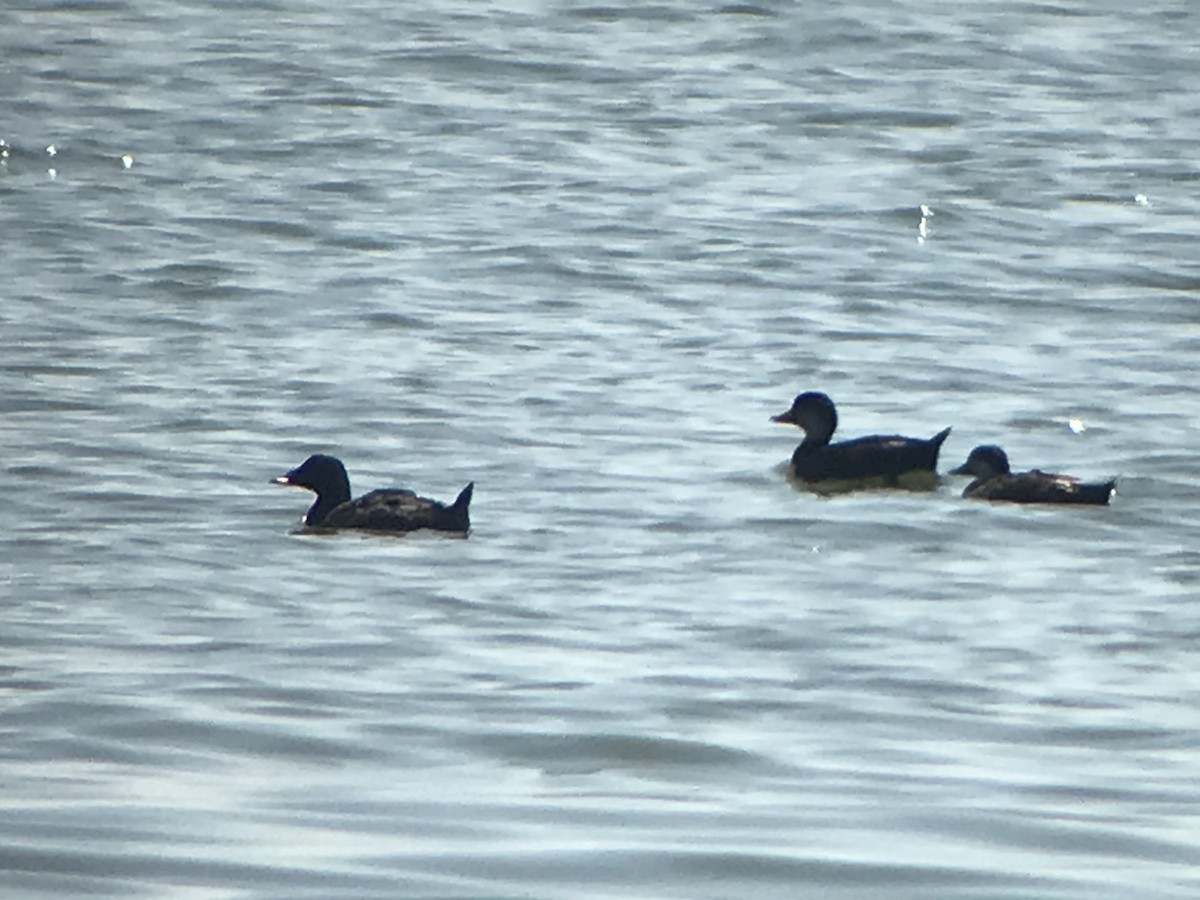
x=390 y=509
x=878 y=459
x=995 y=481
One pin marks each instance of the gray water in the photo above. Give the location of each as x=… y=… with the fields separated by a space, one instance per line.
x=579 y=255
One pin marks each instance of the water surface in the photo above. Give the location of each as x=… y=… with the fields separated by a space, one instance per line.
x=579 y=255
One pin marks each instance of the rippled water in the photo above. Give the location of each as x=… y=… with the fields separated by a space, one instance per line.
x=579 y=255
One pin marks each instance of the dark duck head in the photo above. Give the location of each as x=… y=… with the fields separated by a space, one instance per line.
x=815 y=414
x=389 y=509
x=872 y=461
x=985 y=461
x=994 y=480
x=326 y=477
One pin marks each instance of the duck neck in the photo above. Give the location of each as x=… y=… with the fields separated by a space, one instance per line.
x=814 y=440
x=818 y=429
x=327 y=500
x=318 y=511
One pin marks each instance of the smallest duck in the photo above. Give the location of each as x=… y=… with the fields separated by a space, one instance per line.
x=995 y=481
x=388 y=509
x=876 y=460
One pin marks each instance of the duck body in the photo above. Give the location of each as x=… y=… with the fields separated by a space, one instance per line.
x=995 y=481
x=387 y=509
x=873 y=461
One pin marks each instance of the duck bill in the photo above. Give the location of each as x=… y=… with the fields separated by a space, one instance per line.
x=785 y=418
x=961 y=470
x=281 y=479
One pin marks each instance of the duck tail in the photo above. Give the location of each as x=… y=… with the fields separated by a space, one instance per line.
x=459 y=508
x=1101 y=493
x=935 y=447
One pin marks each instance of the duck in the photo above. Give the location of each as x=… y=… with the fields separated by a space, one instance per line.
x=994 y=480
x=873 y=461
x=388 y=509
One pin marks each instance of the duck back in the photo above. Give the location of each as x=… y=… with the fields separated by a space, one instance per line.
x=395 y=509
x=1040 y=487
x=883 y=457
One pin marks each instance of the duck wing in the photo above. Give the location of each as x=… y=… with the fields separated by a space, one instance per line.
x=1040 y=487
x=396 y=509
x=887 y=456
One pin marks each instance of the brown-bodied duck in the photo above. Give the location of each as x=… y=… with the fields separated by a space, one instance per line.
x=994 y=480
x=876 y=460
x=388 y=509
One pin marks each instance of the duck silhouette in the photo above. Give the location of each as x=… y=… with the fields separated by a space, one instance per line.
x=388 y=509
x=872 y=461
x=994 y=480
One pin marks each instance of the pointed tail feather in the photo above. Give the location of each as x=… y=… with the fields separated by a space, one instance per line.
x=464 y=497
x=459 y=508
x=936 y=443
